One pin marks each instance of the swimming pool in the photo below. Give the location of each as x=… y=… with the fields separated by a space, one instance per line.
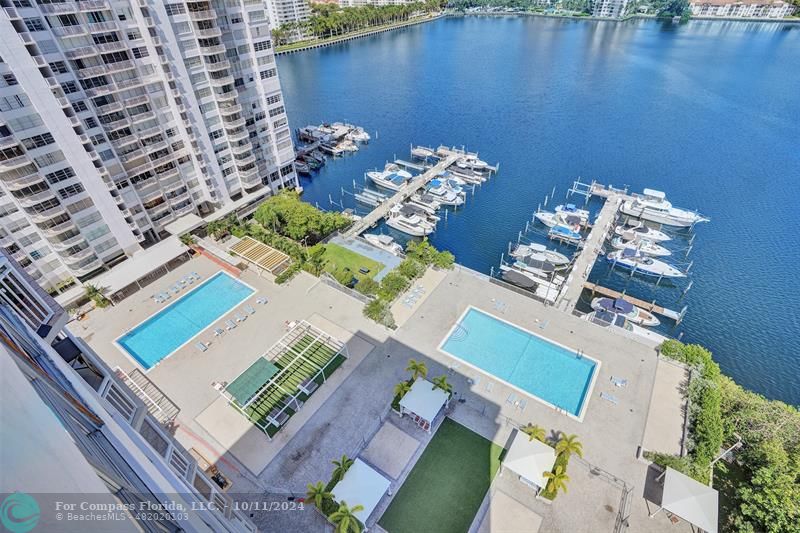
x=164 y=332
x=552 y=373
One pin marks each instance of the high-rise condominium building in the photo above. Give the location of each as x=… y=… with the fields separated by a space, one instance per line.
x=119 y=116
x=609 y=8
x=287 y=11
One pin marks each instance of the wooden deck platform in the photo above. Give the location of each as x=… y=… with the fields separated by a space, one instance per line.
x=648 y=306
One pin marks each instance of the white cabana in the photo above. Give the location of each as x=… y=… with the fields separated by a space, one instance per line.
x=691 y=500
x=530 y=459
x=423 y=402
x=361 y=485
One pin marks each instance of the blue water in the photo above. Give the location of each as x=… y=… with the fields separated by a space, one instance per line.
x=545 y=370
x=163 y=333
x=707 y=111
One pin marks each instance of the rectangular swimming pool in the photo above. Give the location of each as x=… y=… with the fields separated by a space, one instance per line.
x=552 y=373
x=164 y=332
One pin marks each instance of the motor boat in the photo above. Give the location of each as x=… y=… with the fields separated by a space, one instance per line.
x=392 y=177
x=643 y=245
x=607 y=319
x=537 y=266
x=426 y=202
x=357 y=134
x=472 y=162
x=384 y=242
x=638 y=229
x=634 y=314
x=632 y=259
x=565 y=234
x=571 y=210
x=652 y=205
x=539 y=252
x=420 y=152
x=422 y=211
x=408 y=222
x=468 y=176
x=444 y=194
x=302 y=168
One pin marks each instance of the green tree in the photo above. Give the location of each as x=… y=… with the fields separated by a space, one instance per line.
x=534 y=432
x=418 y=369
x=771 y=501
x=444 y=260
x=568 y=444
x=392 y=284
x=411 y=268
x=316 y=494
x=441 y=382
x=402 y=388
x=342 y=465
x=557 y=480
x=188 y=239
x=345 y=520
x=96 y=295
x=315 y=259
x=378 y=310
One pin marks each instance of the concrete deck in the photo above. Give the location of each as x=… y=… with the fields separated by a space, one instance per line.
x=402 y=311
x=664 y=431
x=390 y=450
x=504 y=514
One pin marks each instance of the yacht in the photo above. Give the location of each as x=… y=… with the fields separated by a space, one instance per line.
x=423 y=212
x=408 y=222
x=472 y=162
x=538 y=251
x=384 y=242
x=392 y=177
x=426 y=202
x=468 y=176
x=607 y=319
x=550 y=219
x=357 y=134
x=645 y=246
x=652 y=205
x=444 y=194
x=638 y=229
x=634 y=314
x=537 y=266
x=420 y=152
x=565 y=234
x=302 y=168
x=571 y=210
x=635 y=260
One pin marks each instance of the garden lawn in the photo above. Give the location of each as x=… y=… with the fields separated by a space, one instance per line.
x=337 y=258
x=447 y=485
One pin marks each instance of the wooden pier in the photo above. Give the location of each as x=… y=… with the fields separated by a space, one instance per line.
x=413 y=186
x=677 y=316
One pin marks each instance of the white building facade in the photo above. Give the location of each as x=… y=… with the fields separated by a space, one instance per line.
x=119 y=116
x=609 y=8
x=753 y=9
x=288 y=11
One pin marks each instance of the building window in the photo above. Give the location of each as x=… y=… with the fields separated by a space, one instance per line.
x=60 y=175
x=37 y=141
x=16 y=101
x=79 y=106
x=34 y=24
x=269 y=73
x=9 y=80
x=71 y=190
x=261 y=46
x=175 y=9
x=69 y=87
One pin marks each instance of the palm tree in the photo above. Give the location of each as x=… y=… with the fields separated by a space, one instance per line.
x=558 y=480
x=568 y=444
x=534 y=432
x=316 y=494
x=341 y=467
x=96 y=295
x=441 y=383
x=417 y=369
x=401 y=388
x=345 y=519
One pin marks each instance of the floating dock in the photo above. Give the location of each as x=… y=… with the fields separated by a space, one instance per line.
x=677 y=316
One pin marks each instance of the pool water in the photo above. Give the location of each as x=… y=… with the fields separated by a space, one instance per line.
x=172 y=327
x=548 y=371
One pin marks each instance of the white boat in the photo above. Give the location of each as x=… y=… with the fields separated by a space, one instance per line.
x=408 y=222
x=540 y=252
x=357 y=134
x=468 y=176
x=652 y=205
x=607 y=319
x=645 y=246
x=384 y=242
x=631 y=259
x=392 y=177
x=422 y=211
x=639 y=229
x=426 y=202
x=571 y=210
x=634 y=314
x=472 y=162
x=537 y=266
x=420 y=152
x=565 y=234
x=444 y=194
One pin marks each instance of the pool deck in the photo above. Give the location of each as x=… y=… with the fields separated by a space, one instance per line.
x=351 y=408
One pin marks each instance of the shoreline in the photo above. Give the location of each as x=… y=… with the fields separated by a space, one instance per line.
x=794 y=20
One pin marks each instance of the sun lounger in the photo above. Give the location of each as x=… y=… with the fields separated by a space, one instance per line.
x=201 y=346
x=308 y=385
x=277 y=417
x=164 y=295
x=489 y=386
x=240 y=317
x=249 y=309
x=619 y=382
x=182 y=281
x=218 y=332
x=230 y=324
x=196 y=276
x=523 y=403
x=261 y=300
x=511 y=398
x=611 y=398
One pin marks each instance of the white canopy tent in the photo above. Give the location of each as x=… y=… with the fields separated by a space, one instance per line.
x=361 y=485
x=691 y=500
x=423 y=402
x=530 y=459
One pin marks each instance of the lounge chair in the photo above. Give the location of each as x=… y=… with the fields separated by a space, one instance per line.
x=240 y=317
x=196 y=276
x=619 y=382
x=249 y=309
x=165 y=295
x=201 y=346
x=182 y=281
x=489 y=386
x=189 y=279
x=522 y=404
x=511 y=398
x=308 y=385
x=218 y=332
x=261 y=300
x=230 y=324
x=610 y=397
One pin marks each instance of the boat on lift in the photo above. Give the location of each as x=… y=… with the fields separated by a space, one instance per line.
x=623 y=307
x=571 y=210
x=610 y=320
x=408 y=222
x=565 y=234
x=444 y=194
x=357 y=134
x=392 y=177
x=426 y=202
x=632 y=259
x=471 y=161
x=421 y=152
x=652 y=205
x=551 y=219
x=645 y=246
x=539 y=252
x=384 y=242
x=302 y=168
x=639 y=229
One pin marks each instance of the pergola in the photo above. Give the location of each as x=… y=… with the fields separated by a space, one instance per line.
x=260 y=255
x=529 y=459
x=361 y=485
x=691 y=500
x=423 y=402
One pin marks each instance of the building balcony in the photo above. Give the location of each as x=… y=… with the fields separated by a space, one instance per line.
x=44 y=216
x=110 y=108
x=241 y=148
x=179 y=197
x=86 y=269
x=68 y=243
x=117 y=124
x=133 y=155
x=102 y=27
x=82 y=51
x=8 y=141
x=148 y=132
x=238 y=136
x=137 y=100
x=219 y=65
x=245 y=161
x=58 y=9
x=93 y=5
x=14 y=162
x=181 y=210
x=120 y=66
x=230 y=109
x=112 y=47
x=234 y=124
x=141 y=117
x=209 y=14
x=59 y=229
x=77 y=257
x=208 y=32
x=100 y=91
x=135 y=82
x=91 y=72
x=69 y=31
x=222 y=82
x=212 y=50
x=35 y=199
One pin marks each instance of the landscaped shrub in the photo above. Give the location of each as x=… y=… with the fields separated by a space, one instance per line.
x=287 y=274
x=555 y=483
x=368 y=286
x=378 y=310
x=392 y=284
x=287 y=214
x=411 y=268
x=424 y=252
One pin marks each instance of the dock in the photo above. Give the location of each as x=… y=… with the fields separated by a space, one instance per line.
x=571 y=290
x=677 y=316
x=409 y=165
x=410 y=188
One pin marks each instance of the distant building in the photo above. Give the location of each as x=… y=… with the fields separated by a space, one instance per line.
x=742 y=9
x=376 y=3
x=287 y=11
x=609 y=8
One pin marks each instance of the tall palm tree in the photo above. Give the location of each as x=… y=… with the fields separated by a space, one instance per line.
x=534 y=432
x=316 y=494
x=417 y=369
x=345 y=519
x=341 y=467
x=401 y=388
x=568 y=444
x=441 y=383
x=558 y=480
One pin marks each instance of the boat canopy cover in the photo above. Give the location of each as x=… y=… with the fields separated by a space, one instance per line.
x=654 y=193
x=569 y=207
x=385 y=239
x=435 y=183
x=624 y=306
x=397 y=179
x=572 y=219
x=563 y=230
x=604 y=318
x=512 y=276
x=628 y=252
